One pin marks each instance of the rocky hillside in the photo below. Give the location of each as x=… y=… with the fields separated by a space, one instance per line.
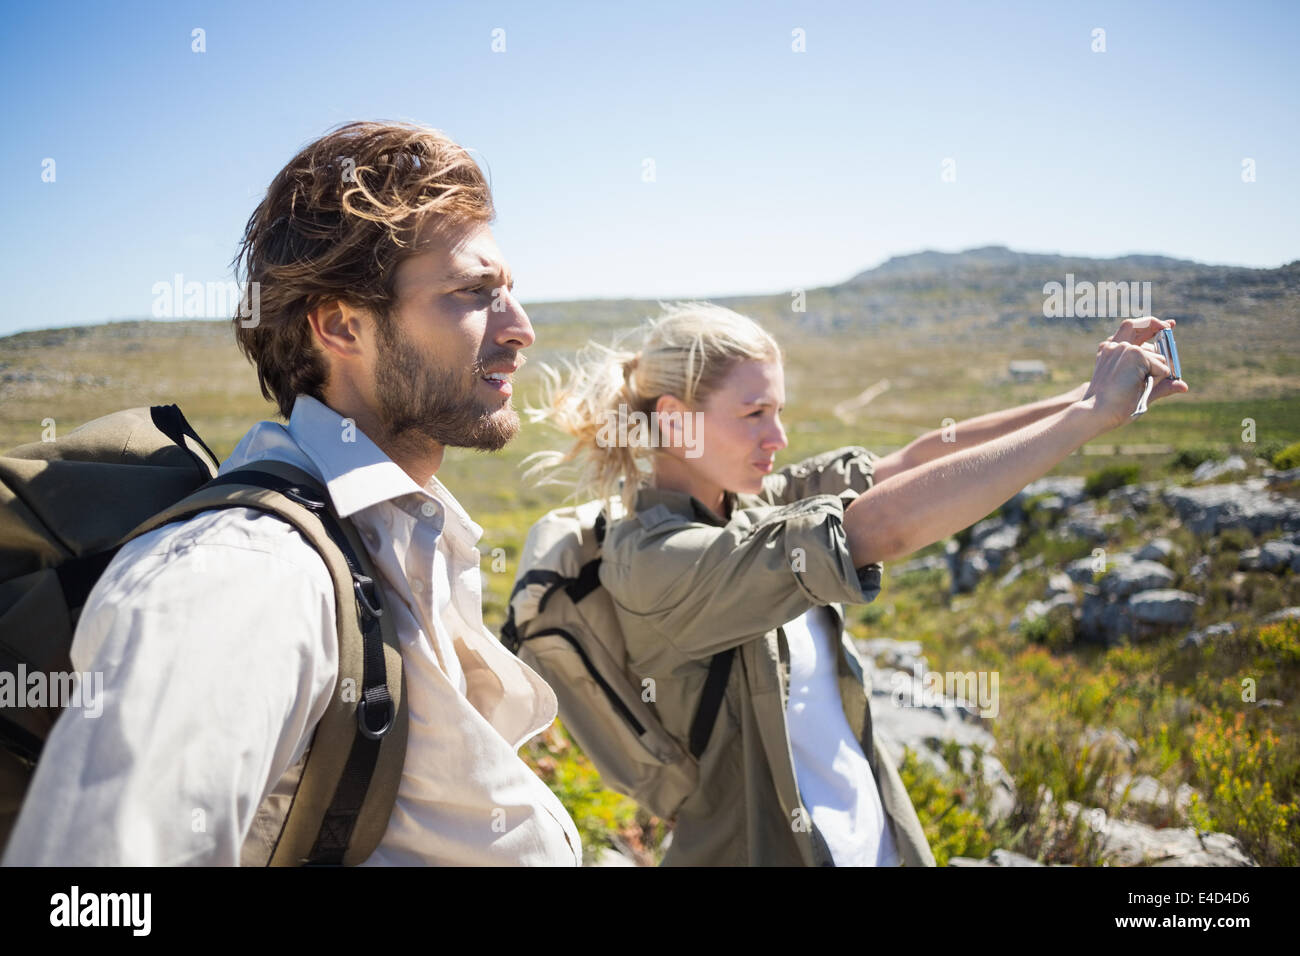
x=1209 y=561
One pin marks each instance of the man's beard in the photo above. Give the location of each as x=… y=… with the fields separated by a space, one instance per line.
x=418 y=400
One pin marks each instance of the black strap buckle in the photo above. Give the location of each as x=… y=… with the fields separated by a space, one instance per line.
x=367 y=594
x=307 y=501
x=384 y=708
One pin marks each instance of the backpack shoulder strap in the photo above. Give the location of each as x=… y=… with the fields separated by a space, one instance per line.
x=348 y=788
x=586 y=582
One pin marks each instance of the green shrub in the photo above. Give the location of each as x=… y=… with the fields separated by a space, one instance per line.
x=1281 y=641
x=1049 y=755
x=1237 y=767
x=952 y=826
x=1103 y=482
x=1054 y=630
x=1234 y=539
x=1188 y=459
x=1268 y=450
x=1288 y=457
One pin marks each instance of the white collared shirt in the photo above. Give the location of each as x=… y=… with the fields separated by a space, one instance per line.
x=218 y=645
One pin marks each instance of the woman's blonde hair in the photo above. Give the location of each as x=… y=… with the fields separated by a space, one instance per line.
x=687 y=352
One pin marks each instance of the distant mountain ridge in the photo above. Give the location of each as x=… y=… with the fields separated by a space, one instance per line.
x=1000 y=257
x=994 y=288
x=989 y=287
x=985 y=286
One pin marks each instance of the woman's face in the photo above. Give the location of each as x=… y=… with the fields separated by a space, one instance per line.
x=741 y=428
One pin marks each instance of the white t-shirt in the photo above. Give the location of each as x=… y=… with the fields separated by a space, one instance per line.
x=835 y=780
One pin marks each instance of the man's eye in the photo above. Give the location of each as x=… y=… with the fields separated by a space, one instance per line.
x=756 y=414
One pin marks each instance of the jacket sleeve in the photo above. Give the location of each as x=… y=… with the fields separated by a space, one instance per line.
x=851 y=468
x=216 y=644
x=705 y=588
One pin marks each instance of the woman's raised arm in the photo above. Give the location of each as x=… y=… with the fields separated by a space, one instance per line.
x=941 y=497
x=972 y=431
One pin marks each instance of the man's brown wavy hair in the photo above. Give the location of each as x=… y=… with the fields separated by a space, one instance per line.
x=335 y=224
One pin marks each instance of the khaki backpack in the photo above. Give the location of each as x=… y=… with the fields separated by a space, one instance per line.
x=561 y=622
x=67 y=506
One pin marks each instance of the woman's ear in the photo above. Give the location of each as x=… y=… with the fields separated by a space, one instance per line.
x=666 y=403
x=669 y=410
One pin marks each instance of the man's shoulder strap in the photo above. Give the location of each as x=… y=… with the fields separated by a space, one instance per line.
x=349 y=785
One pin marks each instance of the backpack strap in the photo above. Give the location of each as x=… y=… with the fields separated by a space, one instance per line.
x=715 y=689
x=587 y=581
x=348 y=787
x=169 y=420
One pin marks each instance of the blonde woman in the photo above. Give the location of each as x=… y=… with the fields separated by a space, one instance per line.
x=726 y=566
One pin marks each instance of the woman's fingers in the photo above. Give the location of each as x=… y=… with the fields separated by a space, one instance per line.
x=1170 y=386
x=1141 y=330
x=1156 y=362
x=1159 y=368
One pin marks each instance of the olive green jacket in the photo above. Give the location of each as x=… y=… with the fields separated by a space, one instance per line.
x=687 y=584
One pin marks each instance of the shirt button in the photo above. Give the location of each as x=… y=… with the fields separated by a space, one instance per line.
x=428 y=509
x=417 y=585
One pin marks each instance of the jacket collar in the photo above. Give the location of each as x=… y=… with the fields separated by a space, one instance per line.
x=688 y=506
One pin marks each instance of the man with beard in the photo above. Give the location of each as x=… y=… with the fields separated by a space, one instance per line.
x=387 y=331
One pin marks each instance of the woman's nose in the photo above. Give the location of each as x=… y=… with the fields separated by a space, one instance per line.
x=775 y=438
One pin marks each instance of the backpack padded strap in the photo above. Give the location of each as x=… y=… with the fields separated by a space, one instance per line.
x=587 y=581
x=349 y=785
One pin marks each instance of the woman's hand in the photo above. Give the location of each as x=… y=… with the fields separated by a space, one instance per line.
x=1123 y=362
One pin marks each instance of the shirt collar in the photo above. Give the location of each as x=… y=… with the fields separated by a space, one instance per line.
x=357 y=473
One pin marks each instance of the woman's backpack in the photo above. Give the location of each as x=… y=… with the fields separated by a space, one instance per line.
x=562 y=623
x=68 y=505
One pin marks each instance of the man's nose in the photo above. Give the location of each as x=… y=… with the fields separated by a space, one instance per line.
x=514 y=326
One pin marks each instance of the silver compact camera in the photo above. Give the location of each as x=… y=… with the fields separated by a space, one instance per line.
x=1169 y=351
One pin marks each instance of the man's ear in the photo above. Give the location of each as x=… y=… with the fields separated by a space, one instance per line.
x=341 y=330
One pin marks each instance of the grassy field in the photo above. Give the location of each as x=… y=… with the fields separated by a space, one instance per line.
x=1179 y=708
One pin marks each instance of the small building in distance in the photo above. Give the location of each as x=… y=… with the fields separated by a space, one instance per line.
x=1027 y=370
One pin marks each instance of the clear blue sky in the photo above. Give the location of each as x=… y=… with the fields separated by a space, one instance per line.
x=775 y=170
